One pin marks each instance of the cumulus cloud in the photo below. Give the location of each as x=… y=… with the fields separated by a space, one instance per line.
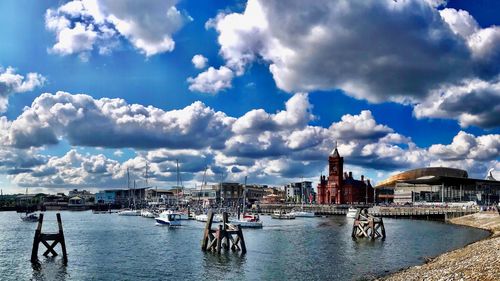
x=83 y=26
x=199 y=61
x=475 y=102
x=12 y=83
x=113 y=123
x=362 y=126
x=266 y=147
x=323 y=46
x=468 y=146
x=212 y=80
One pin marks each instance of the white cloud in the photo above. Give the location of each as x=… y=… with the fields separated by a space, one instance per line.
x=322 y=45
x=267 y=147
x=297 y=115
x=468 y=146
x=211 y=80
x=12 y=83
x=362 y=126
x=82 y=26
x=199 y=61
x=472 y=103
x=113 y=123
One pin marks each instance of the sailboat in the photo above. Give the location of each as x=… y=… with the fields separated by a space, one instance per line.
x=301 y=212
x=170 y=217
x=130 y=212
x=29 y=216
x=248 y=220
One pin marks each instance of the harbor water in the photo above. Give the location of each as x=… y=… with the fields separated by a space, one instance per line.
x=112 y=247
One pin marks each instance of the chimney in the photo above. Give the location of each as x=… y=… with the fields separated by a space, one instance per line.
x=345 y=175
x=362 y=178
x=350 y=175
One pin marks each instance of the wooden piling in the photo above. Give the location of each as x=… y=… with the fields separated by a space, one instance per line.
x=44 y=238
x=366 y=225
x=227 y=236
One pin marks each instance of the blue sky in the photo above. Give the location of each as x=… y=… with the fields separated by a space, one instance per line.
x=398 y=84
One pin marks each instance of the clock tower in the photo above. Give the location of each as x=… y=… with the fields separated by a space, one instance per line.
x=335 y=177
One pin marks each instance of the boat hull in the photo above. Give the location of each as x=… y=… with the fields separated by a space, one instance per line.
x=303 y=214
x=166 y=222
x=129 y=213
x=248 y=224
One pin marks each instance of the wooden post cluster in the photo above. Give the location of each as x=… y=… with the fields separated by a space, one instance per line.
x=227 y=236
x=366 y=225
x=44 y=238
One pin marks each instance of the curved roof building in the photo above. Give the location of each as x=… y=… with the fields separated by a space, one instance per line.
x=422 y=173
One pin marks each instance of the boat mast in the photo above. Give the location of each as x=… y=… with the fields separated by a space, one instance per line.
x=244 y=195
x=177 y=169
x=146 y=176
x=202 y=183
x=128 y=186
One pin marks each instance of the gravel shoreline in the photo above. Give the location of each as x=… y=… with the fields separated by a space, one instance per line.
x=477 y=261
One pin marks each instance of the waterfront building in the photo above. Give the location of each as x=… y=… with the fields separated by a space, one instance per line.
x=299 y=192
x=340 y=187
x=123 y=197
x=438 y=185
x=105 y=197
x=84 y=194
x=254 y=193
x=76 y=203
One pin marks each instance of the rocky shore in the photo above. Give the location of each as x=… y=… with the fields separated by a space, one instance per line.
x=477 y=261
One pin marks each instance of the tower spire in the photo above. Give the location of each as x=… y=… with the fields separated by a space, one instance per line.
x=335 y=152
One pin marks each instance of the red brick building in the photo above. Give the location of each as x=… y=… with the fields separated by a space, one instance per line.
x=341 y=187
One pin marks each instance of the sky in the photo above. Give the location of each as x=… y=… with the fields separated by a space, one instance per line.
x=233 y=89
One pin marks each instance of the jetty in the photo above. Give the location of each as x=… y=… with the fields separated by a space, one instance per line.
x=408 y=212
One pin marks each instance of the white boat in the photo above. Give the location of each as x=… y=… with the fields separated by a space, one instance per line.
x=129 y=213
x=169 y=219
x=204 y=218
x=182 y=216
x=30 y=217
x=302 y=214
x=351 y=212
x=248 y=221
x=282 y=215
x=147 y=214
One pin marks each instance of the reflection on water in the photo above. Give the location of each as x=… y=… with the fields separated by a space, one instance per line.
x=111 y=247
x=48 y=269
x=224 y=266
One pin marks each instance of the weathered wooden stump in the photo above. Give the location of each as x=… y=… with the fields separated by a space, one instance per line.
x=227 y=236
x=366 y=225
x=44 y=238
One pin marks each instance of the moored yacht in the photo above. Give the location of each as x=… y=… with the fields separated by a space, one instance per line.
x=302 y=213
x=351 y=212
x=282 y=215
x=129 y=213
x=147 y=214
x=204 y=218
x=248 y=221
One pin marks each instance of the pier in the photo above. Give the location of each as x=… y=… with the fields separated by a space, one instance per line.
x=408 y=212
